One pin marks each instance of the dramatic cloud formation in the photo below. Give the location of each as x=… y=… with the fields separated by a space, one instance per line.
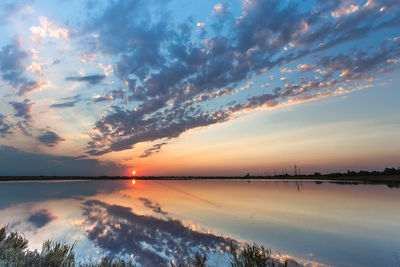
x=41 y=218
x=168 y=74
x=125 y=72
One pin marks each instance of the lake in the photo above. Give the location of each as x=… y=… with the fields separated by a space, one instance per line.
x=151 y=222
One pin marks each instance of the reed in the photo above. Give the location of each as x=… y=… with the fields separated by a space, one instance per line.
x=14 y=252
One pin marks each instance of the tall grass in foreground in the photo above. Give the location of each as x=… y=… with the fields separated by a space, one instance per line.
x=14 y=252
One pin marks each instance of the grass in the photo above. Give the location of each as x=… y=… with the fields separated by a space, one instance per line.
x=14 y=252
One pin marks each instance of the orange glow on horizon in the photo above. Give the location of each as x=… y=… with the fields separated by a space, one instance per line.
x=133 y=172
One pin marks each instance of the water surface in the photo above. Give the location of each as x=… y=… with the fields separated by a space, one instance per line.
x=153 y=221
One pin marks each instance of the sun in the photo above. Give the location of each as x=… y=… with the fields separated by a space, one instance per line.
x=133 y=181
x=133 y=172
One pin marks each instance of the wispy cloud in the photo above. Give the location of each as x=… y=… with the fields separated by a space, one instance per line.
x=150 y=151
x=91 y=79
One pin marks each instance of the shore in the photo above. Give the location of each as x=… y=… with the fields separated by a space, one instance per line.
x=338 y=178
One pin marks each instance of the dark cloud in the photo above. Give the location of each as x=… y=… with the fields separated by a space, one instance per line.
x=153 y=206
x=12 y=69
x=22 y=109
x=150 y=151
x=5 y=127
x=11 y=63
x=141 y=38
x=50 y=138
x=16 y=162
x=170 y=69
x=119 y=230
x=167 y=124
x=41 y=218
x=64 y=104
x=91 y=79
x=361 y=65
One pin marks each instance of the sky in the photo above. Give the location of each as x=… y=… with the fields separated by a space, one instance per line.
x=183 y=87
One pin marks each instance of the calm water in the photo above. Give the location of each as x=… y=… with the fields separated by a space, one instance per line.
x=151 y=221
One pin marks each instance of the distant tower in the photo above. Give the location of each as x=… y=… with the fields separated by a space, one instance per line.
x=295 y=170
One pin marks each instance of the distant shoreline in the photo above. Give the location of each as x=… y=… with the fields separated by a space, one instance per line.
x=346 y=178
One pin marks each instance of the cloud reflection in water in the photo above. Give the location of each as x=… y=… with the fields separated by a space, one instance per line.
x=152 y=241
x=41 y=218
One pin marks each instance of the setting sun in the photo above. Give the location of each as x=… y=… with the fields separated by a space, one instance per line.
x=133 y=172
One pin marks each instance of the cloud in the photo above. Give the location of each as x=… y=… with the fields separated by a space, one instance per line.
x=16 y=162
x=11 y=63
x=67 y=102
x=286 y=70
x=88 y=58
x=22 y=109
x=36 y=68
x=344 y=11
x=50 y=138
x=5 y=126
x=305 y=67
x=150 y=151
x=32 y=86
x=168 y=69
x=220 y=8
x=114 y=94
x=48 y=28
x=169 y=124
x=91 y=79
x=153 y=206
x=12 y=69
x=41 y=218
x=64 y=104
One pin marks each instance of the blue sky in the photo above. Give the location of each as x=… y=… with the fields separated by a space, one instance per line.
x=198 y=87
